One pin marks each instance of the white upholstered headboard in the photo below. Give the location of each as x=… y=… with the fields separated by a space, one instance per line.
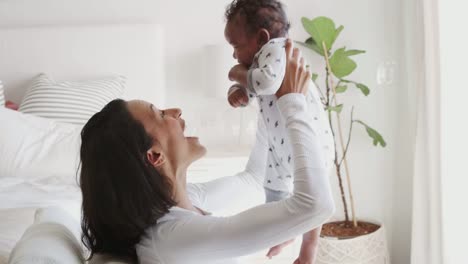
x=80 y=52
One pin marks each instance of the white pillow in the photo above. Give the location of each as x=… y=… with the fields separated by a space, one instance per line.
x=53 y=238
x=70 y=102
x=35 y=147
x=2 y=96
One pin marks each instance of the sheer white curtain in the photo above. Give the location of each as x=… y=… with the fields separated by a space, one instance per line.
x=438 y=62
x=426 y=243
x=453 y=20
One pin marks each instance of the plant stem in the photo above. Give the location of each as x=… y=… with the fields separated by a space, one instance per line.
x=334 y=90
x=338 y=172
x=349 y=136
x=328 y=86
x=337 y=166
x=322 y=96
x=329 y=73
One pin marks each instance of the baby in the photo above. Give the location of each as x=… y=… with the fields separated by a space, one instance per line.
x=257 y=30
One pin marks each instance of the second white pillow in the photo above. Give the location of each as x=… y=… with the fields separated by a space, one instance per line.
x=70 y=102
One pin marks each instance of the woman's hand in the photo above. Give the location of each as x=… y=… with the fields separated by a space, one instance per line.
x=297 y=76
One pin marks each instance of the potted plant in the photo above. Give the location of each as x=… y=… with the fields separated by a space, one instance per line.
x=348 y=241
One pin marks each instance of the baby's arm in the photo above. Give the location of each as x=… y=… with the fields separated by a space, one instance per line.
x=268 y=77
x=238 y=74
x=238 y=95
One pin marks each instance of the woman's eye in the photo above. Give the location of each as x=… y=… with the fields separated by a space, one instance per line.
x=163 y=113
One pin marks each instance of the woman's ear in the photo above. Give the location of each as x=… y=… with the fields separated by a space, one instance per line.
x=263 y=36
x=155 y=158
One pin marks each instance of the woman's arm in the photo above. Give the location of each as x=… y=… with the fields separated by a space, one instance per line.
x=215 y=238
x=223 y=193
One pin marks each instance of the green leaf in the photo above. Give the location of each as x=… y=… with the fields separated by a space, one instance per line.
x=321 y=29
x=314 y=76
x=310 y=44
x=341 y=89
x=365 y=90
x=341 y=65
x=314 y=46
x=337 y=32
x=337 y=108
x=377 y=138
x=354 y=52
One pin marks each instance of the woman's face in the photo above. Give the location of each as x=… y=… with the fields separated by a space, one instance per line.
x=167 y=127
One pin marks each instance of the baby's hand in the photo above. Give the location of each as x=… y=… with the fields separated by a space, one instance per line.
x=238 y=98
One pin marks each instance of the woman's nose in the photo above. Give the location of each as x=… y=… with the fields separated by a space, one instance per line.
x=175 y=112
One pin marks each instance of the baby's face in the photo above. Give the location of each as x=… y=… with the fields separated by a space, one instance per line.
x=245 y=45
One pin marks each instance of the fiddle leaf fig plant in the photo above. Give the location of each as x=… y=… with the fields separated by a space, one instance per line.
x=339 y=65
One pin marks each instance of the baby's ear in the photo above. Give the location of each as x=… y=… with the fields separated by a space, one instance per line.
x=263 y=36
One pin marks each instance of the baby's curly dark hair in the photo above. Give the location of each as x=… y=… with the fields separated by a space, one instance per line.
x=267 y=14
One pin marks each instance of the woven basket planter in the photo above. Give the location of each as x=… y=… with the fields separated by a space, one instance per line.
x=366 y=249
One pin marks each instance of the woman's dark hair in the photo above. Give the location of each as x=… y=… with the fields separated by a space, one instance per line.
x=123 y=194
x=258 y=14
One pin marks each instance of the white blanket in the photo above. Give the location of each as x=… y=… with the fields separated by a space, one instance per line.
x=53 y=238
x=19 y=200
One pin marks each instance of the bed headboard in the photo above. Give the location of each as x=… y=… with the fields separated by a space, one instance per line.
x=77 y=52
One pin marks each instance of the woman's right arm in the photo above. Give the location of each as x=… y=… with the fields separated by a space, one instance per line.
x=214 y=238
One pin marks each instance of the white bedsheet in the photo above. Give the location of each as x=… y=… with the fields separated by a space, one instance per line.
x=19 y=200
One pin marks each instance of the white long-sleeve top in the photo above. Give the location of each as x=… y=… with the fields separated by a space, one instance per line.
x=185 y=237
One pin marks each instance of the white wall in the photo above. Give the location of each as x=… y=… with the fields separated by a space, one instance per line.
x=381 y=177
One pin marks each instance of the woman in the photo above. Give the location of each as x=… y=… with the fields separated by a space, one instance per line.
x=137 y=204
